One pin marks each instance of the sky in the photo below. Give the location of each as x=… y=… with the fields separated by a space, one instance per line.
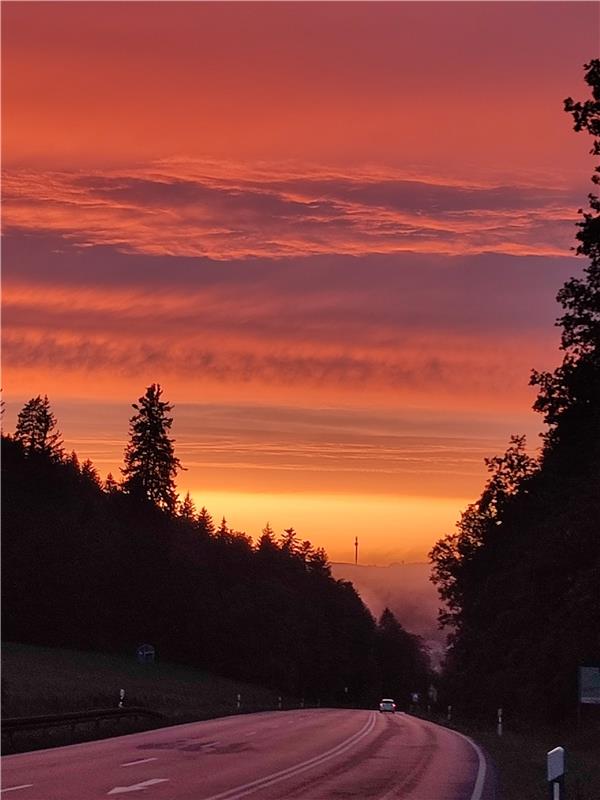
x=332 y=232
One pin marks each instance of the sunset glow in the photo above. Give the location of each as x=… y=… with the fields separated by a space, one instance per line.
x=333 y=232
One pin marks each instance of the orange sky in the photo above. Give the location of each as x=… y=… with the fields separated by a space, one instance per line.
x=333 y=232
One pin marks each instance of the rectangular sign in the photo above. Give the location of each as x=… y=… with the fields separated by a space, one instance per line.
x=589 y=685
x=555 y=763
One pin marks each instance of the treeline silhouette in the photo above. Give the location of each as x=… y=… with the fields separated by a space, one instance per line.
x=102 y=567
x=521 y=574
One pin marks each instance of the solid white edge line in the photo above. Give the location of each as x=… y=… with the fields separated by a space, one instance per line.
x=14 y=788
x=480 y=779
x=481 y=770
x=290 y=772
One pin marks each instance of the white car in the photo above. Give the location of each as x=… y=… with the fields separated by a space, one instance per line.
x=387 y=705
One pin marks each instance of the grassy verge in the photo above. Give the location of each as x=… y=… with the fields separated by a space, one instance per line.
x=44 y=680
x=520 y=757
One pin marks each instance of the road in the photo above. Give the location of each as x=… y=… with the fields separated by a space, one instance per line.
x=316 y=754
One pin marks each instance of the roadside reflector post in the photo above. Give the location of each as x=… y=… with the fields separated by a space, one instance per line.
x=449 y=713
x=121 y=697
x=238 y=701
x=499 y=722
x=279 y=703
x=556 y=773
x=302 y=703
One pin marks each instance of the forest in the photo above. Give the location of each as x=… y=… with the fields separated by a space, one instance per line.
x=110 y=565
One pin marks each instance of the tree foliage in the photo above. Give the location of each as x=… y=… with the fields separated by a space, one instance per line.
x=569 y=397
x=105 y=569
x=36 y=429
x=150 y=462
x=520 y=575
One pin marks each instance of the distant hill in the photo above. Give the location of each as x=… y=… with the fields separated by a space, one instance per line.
x=406 y=590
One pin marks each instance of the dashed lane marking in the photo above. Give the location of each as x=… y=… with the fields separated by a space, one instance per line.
x=14 y=788
x=137 y=787
x=139 y=761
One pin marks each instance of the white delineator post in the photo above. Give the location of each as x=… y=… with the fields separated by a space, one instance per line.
x=556 y=773
x=499 y=722
x=238 y=701
x=449 y=713
x=121 y=697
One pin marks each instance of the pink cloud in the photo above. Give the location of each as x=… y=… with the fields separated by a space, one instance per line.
x=220 y=212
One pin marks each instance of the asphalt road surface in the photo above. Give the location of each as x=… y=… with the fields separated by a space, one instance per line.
x=316 y=754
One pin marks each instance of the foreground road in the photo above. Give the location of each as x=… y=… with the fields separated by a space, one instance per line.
x=305 y=755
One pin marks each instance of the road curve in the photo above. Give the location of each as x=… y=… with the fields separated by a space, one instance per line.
x=316 y=754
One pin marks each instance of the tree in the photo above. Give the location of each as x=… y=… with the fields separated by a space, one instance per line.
x=36 y=429
x=90 y=473
x=520 y=575
x=402 y=662
x=290 y=544
x=150 y=462
x=455 y=568
x=569 y=397
x=187 y=509
x=205 y=522
x=110 y=484
x=267 y=542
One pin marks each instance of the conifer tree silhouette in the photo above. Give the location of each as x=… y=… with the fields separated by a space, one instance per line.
x=36 y=429
x=150 y=461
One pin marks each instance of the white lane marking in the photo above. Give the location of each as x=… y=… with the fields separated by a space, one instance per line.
x=480 y=779
x=481 y=769
x=14 y=788
x=216 y=723
x=276 y=777
x=137 y=787
x=140 y=761
x=250 y=733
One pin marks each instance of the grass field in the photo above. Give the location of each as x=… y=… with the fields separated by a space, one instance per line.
x=520 y=757
x=43 y=680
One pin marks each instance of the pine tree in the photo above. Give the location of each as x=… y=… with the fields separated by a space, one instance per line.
x=187 y=509
x=150 y=461
x=36 y=429
x=266 y=542
x=289 y=542
x=110 y=484
x=90 y=473
x=205 y=522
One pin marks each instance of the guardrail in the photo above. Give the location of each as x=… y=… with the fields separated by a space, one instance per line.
x=10 y=725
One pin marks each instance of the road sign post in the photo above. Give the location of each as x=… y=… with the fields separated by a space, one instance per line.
x=556 y=773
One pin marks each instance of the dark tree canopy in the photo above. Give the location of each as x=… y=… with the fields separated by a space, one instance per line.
x=36 y=429
x=569 y=397
x=520 y=575
x=150 y=462
x=105 y=569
